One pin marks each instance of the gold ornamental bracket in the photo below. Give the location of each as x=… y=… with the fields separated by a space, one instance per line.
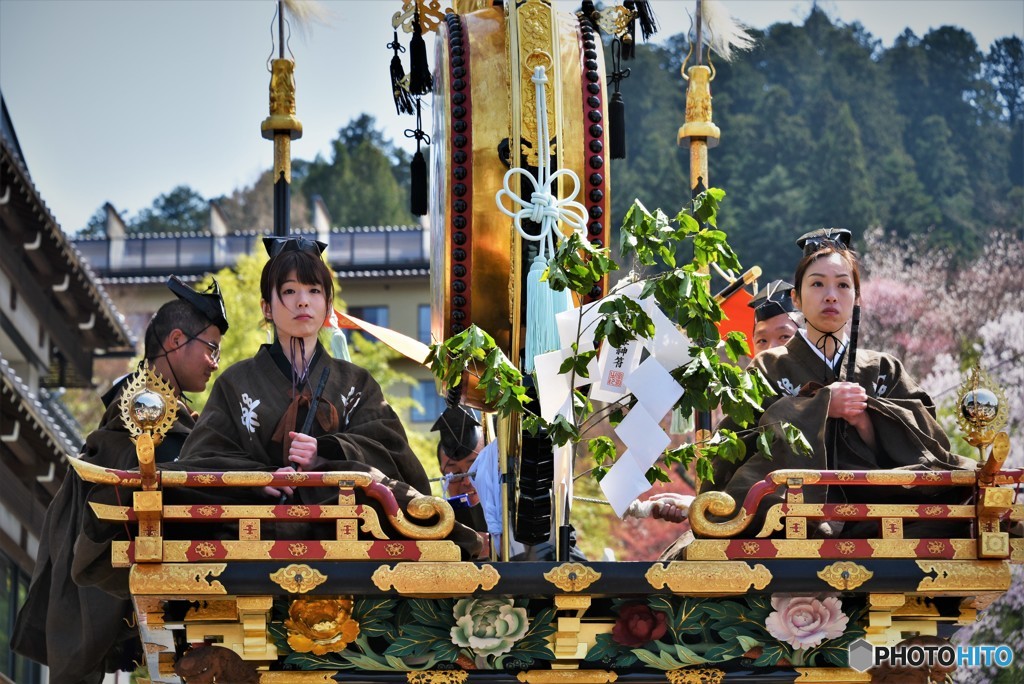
x=572 y=577
x=148 y=405
x=298 y=578
x=983 y=408
x=845 y=575
x=149 y=409
x=708 y=578
x=428 y=579
x=431 y=14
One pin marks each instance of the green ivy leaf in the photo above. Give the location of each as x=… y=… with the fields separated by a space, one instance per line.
x=727 y=651
x=773 y=653
x=604 y=648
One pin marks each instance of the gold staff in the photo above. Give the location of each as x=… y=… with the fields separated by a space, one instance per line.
x=700 y=134
x=282 y=126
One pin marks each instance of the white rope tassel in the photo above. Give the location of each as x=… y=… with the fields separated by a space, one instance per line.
x=546 y=209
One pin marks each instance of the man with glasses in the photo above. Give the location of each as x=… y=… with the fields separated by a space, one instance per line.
x=82 y=632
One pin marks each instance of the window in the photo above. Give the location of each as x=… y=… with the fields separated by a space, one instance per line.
x=431 y=404
x=378 y=315
x=423 y=325
x=13 y=592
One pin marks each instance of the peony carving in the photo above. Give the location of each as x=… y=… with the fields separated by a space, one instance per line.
x=804 y=621
x=489 y=626
x=638 y=625
x=320 y=626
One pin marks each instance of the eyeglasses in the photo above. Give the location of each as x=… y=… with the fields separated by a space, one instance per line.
x=214 y=348
x=812 y=245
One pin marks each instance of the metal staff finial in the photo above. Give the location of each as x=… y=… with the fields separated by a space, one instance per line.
x=282 y=126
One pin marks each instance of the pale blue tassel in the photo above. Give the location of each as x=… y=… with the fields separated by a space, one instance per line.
x=339 y=345
x=542 y=304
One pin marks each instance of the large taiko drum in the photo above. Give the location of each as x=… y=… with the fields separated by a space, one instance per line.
x=485 y=121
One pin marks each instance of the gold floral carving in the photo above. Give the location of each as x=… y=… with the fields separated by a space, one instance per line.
x=998 y=497
x=437 y=677
x=846 y=547
x=438 y=551
x=567 y=677
x=572 y=576
x=845 y=476
x=206 y=549
x=893 y=548
x=956 y=576
x=296 y=677
x=772 y=521
x=109 y=512
x=298 y=549
x=696 y=675
x=797 y=548
x=297 y=511
x=436 y=579
x=615 y=20
x=844 y=575
x=893 y=477
x=783 y=477
x=887 y=601
x=709 y=578
x=206 y=479
x=298 y=578
x=845 y=509
x=169 y=579
x=535 y=43
x=394 y=549
x=708 y=550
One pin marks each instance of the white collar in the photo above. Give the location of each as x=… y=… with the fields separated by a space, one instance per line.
x=836 y=358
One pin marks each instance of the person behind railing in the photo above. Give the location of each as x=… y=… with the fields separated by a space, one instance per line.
x=254 y=416
x=80 y=632
x=776 y=320
x=877 y=419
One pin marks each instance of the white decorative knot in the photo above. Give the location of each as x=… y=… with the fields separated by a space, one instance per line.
x=543 y=207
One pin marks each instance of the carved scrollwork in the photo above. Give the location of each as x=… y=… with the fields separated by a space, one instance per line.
x=719 y=504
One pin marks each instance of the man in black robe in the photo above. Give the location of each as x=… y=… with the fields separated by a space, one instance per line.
x=82 y=632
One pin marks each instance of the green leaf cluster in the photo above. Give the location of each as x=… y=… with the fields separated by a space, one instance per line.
x=720 y=630
x=411 y=634
x=681 y=291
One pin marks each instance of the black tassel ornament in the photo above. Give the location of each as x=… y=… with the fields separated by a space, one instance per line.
x=403 y=99
x=629 y=37
x=418 y=168
x=420 y=80
x=616 y=106
x=648 y=22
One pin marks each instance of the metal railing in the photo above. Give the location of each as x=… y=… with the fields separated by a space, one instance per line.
x=194 y=254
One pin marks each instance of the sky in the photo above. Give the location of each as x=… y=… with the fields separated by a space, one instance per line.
x=122 y=100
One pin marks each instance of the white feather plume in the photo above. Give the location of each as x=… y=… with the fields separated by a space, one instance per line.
x=305 y=13
x=722 y=33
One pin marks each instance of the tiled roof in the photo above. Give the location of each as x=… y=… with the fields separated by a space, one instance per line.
x=44 y=422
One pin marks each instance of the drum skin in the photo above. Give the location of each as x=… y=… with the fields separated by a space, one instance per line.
x=480 y=105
